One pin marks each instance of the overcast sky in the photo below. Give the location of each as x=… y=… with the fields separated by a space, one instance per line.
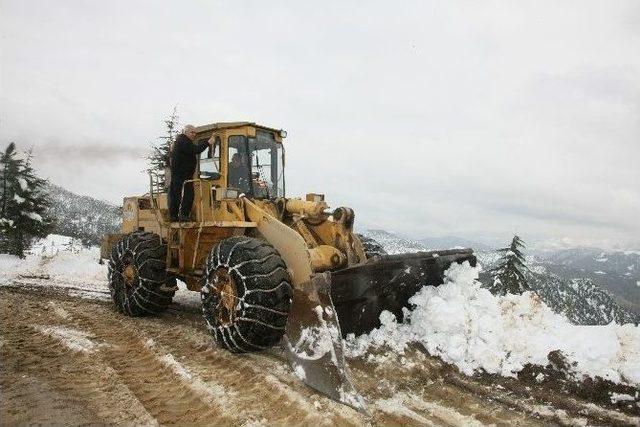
x=471 y=118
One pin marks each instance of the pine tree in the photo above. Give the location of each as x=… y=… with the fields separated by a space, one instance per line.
x=23 y=203
x=160 y=150
x=9 y=167
x=508 y=276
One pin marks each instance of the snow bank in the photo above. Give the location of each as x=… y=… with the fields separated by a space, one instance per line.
x=59 y=258
x=63 y=262
x=466 y=325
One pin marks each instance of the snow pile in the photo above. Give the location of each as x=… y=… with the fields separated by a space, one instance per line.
x=466 y=325
x=55 y=243
x=82 y=266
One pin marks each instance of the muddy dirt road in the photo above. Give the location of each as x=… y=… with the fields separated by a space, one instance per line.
x=71 y=360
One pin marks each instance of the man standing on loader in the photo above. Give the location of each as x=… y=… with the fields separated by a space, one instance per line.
x=183 y=164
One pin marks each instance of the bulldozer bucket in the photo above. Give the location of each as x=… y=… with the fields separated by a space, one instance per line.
x=331 y=305
x=386 y=282
x=314 y=343
x=312 y=340
x=315 y=327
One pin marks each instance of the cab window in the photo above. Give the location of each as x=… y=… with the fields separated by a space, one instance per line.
x=256 y=165
x=210 y=161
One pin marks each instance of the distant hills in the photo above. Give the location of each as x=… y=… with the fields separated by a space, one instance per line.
x=448 y=242
x=590 y=287
x=401 y=244
x=82 y=217
x=392 y=243
x=615 y=271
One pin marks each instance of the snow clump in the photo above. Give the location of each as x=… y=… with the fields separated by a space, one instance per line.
x=469 y=327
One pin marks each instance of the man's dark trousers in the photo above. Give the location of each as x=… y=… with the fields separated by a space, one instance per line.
x=175 y=191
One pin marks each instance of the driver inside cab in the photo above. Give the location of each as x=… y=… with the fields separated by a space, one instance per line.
x=238 y=172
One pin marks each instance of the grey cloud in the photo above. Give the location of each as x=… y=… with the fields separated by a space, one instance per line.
x=431 y=118
x=89 y=152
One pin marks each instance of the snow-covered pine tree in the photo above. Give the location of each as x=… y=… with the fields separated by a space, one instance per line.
x=36 y=223
x=9 y=167
x=159 y=157
x=23 y=206
x=508 y=275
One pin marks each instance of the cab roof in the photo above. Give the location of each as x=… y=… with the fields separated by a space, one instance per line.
x=230 y=125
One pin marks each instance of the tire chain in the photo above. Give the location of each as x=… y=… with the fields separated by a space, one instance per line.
x=250 y=331
x=145 y=298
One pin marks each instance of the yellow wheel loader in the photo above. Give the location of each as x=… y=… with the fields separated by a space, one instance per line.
x=270 y=269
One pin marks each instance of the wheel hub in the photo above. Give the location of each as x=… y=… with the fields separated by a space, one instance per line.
x=225 y=286
x=130 y=275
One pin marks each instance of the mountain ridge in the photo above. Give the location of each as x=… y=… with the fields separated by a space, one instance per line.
x=581 y=299
x=82 y=217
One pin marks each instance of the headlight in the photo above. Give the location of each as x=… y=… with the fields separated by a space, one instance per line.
x=232 y=193
x=313 y=197
x=225 y=193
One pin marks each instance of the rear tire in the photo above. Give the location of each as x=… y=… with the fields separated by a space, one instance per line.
x=246 y=294
x=138 y=279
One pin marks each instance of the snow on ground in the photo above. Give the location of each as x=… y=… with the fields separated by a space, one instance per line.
x=66 y=263
x=398 y=404
x=466 y=325
x=71 y=338
x=60 y=259
x=208 y=390
x=9 y=264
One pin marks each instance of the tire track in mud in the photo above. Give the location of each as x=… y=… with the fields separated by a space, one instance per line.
x=73 y=386
x=245 y=387
x=405 y=386
x=167 y=393
x=168 y=370
x=259 y=386
x=149 y=391
x=277 y=388
x=183 y=381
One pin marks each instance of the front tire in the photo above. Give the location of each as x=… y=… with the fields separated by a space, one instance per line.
x=246 y=294
x=138 y=279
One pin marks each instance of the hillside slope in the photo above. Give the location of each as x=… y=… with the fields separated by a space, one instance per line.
x=82 y=217
x=568 y=291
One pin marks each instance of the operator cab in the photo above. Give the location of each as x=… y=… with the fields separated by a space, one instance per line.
x=245 y=157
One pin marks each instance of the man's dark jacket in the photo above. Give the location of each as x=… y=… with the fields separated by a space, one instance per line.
x=184 y=157
x=183 y=164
